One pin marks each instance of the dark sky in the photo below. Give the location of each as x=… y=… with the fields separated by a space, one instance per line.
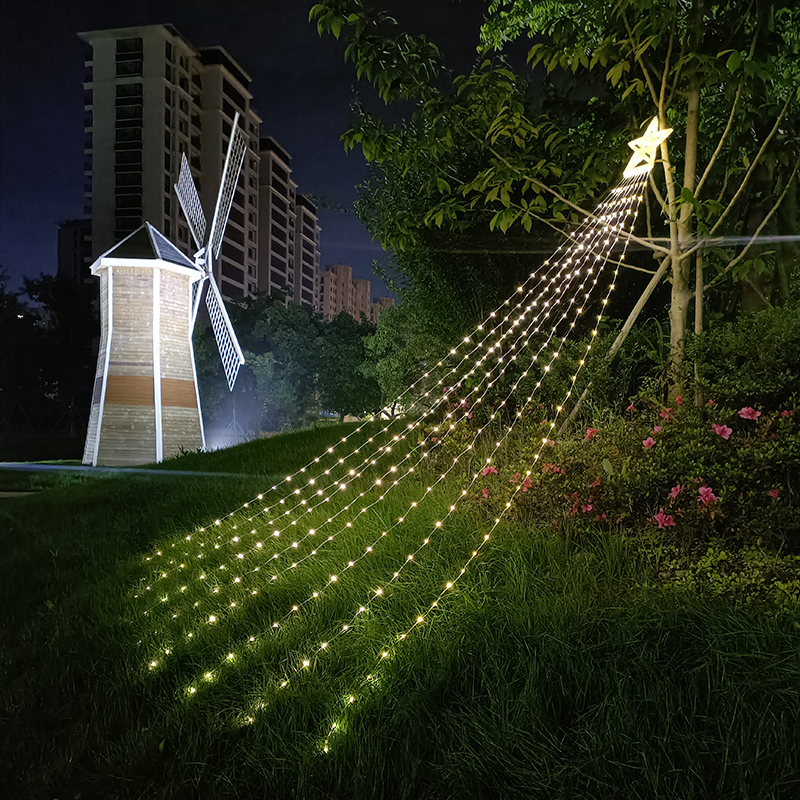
x=301 y=88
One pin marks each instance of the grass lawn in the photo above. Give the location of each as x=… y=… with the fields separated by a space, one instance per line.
x=141 y=658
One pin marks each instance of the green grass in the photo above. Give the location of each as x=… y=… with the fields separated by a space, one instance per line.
x=555 y=667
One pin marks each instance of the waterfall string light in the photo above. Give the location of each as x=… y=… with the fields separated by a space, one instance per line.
x=610 y=226
x=238 y=579
x=523 y=337
x=334 y=579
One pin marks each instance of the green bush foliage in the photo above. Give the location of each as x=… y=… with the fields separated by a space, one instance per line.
x=753 y=360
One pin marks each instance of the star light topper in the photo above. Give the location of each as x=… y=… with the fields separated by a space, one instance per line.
x=644 y=149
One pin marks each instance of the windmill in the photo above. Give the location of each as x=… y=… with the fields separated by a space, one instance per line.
x=145 y=403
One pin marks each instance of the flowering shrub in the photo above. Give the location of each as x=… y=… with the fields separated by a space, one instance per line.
x=701 y=473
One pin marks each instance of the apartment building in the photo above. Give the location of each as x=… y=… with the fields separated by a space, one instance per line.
x=339 y=291
x=74 y=250
x=289 y=232
x=149 y=97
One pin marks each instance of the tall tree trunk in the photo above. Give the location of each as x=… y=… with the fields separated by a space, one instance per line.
x=682 y=235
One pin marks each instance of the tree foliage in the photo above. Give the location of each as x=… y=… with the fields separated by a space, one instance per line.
x=343 y=384
x=293 y=363
x=482 y=148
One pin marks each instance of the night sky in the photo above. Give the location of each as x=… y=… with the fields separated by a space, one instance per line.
x=301 y=88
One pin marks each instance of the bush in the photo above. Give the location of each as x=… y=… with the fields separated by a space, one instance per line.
x=689 y=474
x=754 y=360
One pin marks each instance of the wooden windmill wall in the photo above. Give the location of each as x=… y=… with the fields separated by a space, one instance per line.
x=145 y=403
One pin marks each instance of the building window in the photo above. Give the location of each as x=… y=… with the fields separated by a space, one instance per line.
x=228 y=109
x=233 y=95
x=168 y=96
x=168 y=50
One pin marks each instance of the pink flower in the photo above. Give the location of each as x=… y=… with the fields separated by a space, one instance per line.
x=515 y=478
x=675 y=491
x=774 y=492
x=666 y=414
x=710 y=403
x=679 y=400
x=664 y=520
x=722 y=430
x=591 y=432
x=785 y=413
x=601 y=517
x=587 y=508
x=551 y=443
x=526 y=484
x=749 y=413
x=706 y=495
x=630 y=407
x=648 y=442
x=485 y=492
x=657 y=429
x=490 y=470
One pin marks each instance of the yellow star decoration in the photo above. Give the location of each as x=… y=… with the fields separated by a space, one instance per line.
x=644 y=149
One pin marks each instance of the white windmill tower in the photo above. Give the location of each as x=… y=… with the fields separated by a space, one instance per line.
x=145 y=403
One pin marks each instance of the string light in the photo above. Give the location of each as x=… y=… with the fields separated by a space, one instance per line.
x=410 y=557
x=584 y=258
x=513 y=388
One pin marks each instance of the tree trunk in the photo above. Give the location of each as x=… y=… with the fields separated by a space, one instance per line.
x=682 y=234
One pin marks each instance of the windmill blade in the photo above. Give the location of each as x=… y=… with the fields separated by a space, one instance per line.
x=230 y=174
x=197 y=291
x=190 y=203
x=229 y=350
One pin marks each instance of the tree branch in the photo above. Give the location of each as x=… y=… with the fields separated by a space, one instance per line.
x=757 y=233
x=752 y=167
x=640 y=61
x=719 y=143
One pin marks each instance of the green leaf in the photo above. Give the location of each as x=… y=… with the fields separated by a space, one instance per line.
x=609 y=470
x=734 y=61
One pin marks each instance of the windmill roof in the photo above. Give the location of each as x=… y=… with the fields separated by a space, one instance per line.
x=147 y=242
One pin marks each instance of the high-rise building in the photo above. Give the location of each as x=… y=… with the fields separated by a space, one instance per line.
x=339 y=291
x=149 y=97
x=288 y=231
x=306 y=254
x=75 y=250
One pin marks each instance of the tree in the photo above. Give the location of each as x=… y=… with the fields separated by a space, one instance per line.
x=69 y=324
x=22 y=390
x=728 y=69
x=277 y=386
x=343 y=385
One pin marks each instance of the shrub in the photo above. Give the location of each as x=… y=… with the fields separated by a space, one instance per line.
x=754 y=360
